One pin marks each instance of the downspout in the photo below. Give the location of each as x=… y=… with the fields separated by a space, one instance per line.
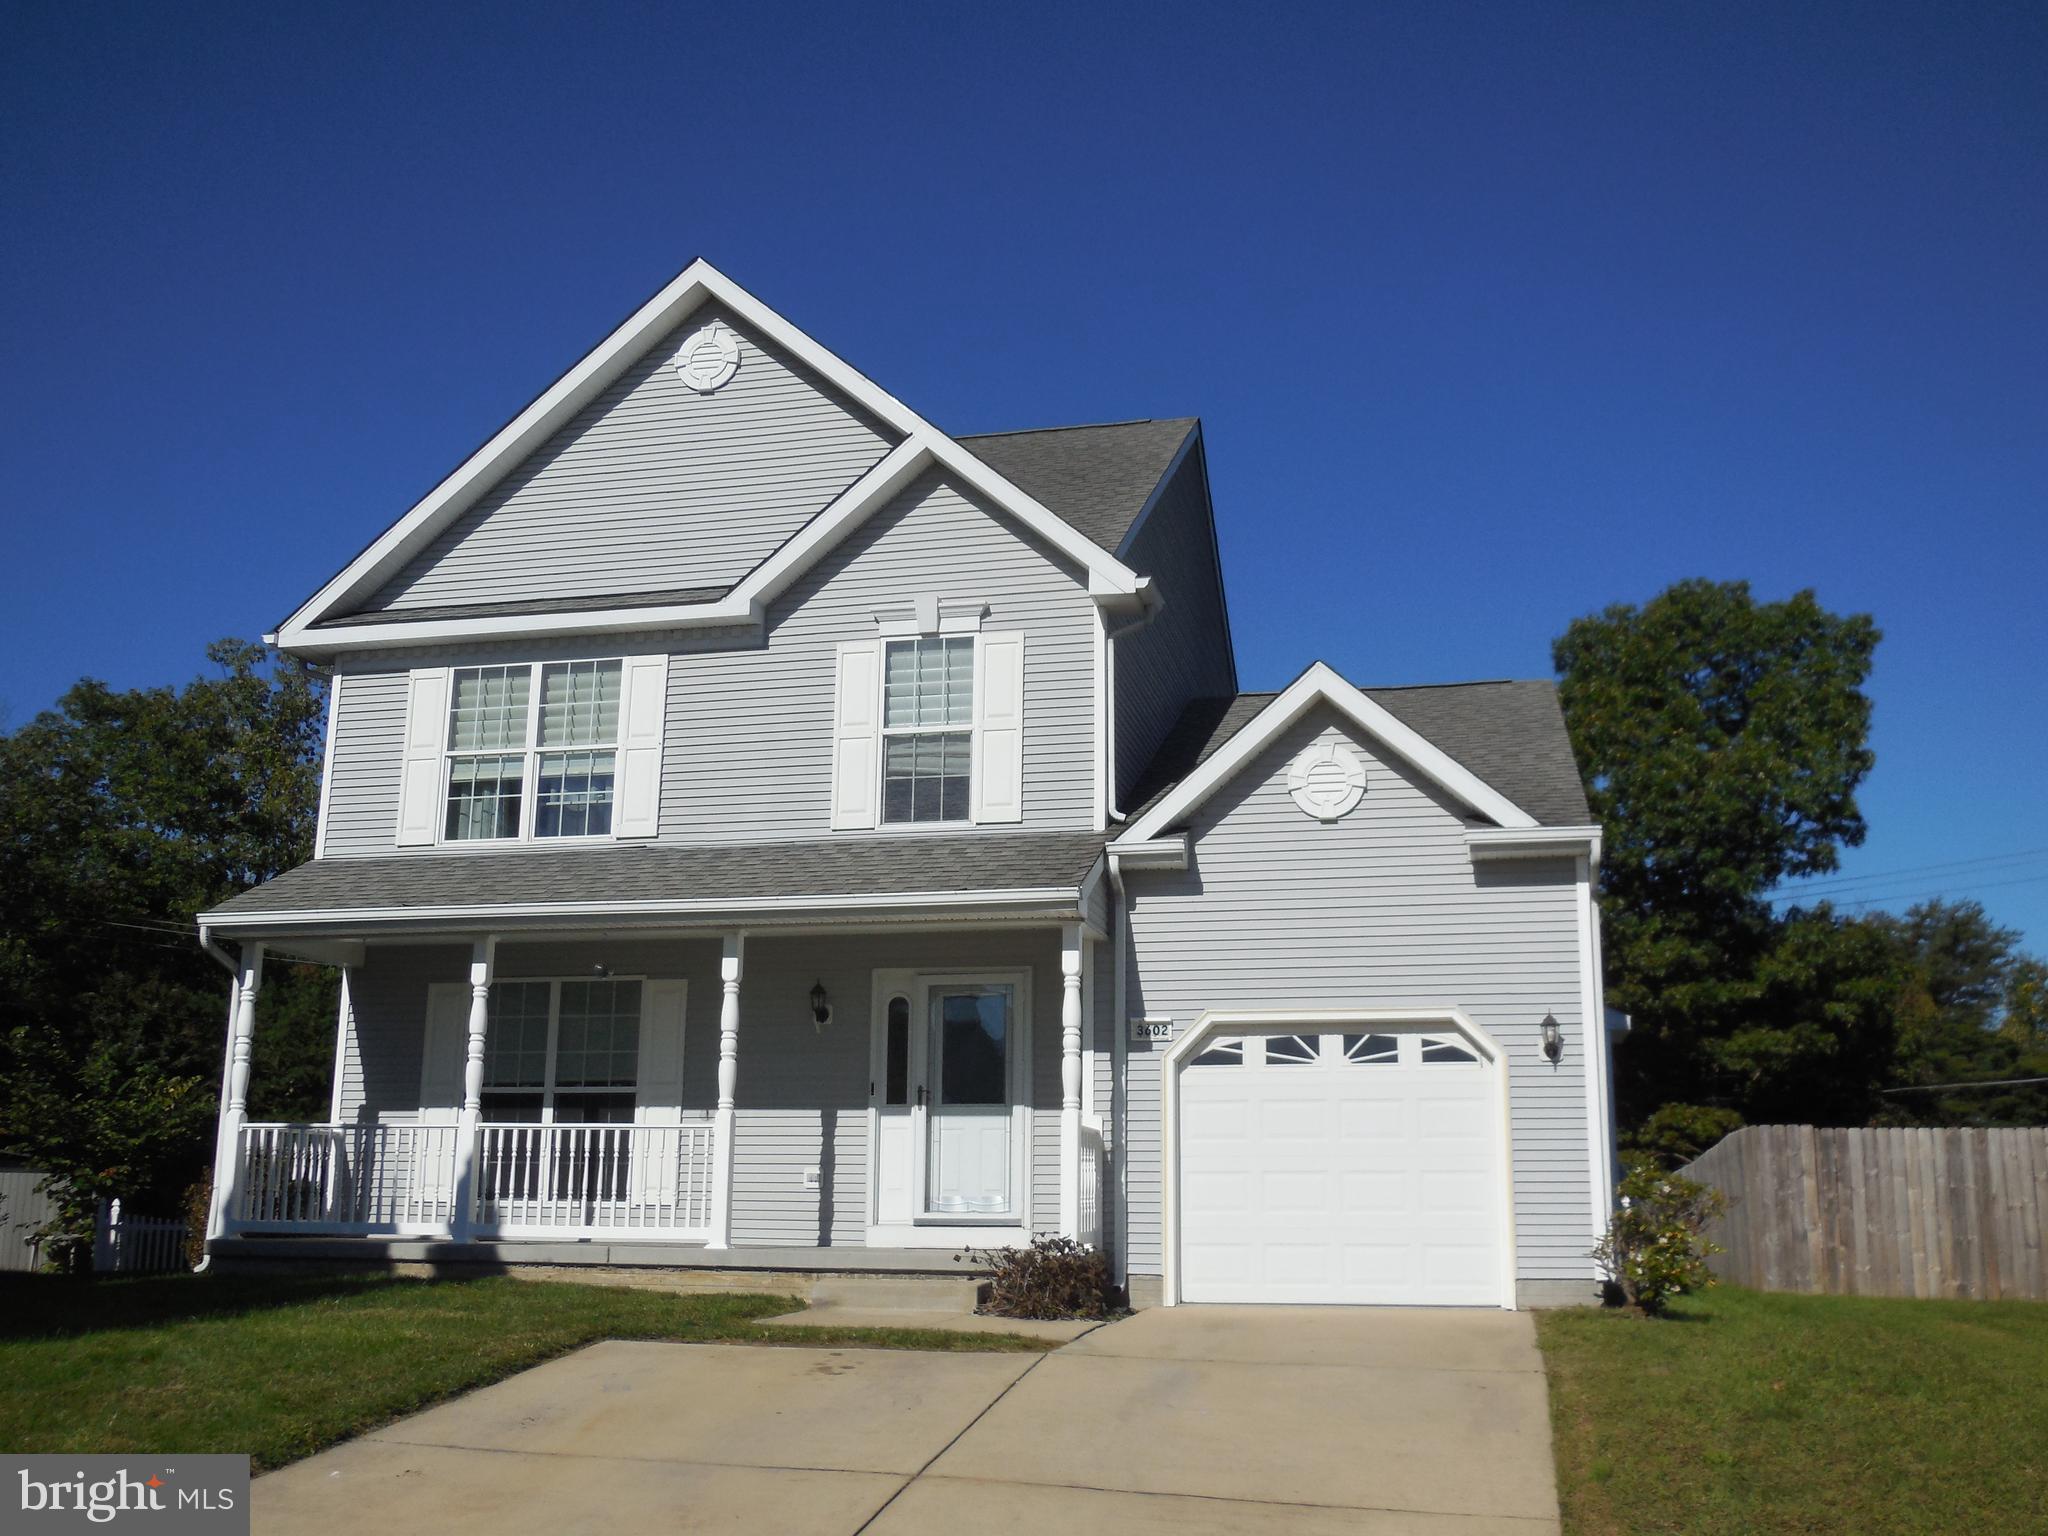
x=227 y=963
x=1150 y=611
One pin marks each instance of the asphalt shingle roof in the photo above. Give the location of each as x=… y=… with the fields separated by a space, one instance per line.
x=1096 y=478
x=1511 y=734
x=854 y=866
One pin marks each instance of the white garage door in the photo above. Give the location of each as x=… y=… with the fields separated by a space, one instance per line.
x=1360 y=1167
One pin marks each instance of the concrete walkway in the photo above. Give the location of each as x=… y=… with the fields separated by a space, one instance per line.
x=1195 y=1420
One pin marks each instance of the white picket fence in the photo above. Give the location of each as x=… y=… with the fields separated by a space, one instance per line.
x=136 y=1245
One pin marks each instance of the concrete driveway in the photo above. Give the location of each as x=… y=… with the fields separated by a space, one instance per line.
x=1191 y=1420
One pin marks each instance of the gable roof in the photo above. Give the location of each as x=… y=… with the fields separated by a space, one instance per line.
x=316 y=627
x=1509 y=735
x=1099 y=478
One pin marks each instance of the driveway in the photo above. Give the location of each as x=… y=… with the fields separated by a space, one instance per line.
x=1304 y=1421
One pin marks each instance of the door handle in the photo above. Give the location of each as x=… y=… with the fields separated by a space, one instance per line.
x=920 y=1096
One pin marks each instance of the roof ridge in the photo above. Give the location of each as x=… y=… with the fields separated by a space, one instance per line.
x=1079 y=426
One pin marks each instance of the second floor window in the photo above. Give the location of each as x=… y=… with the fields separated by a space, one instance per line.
x=928 y=728
x=527 y=762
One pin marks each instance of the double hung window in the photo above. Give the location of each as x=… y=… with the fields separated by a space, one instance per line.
x=928 y=729
x=562 y=1052
x=527 y=761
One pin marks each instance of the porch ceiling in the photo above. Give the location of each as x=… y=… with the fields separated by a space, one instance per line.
x=1009 y=874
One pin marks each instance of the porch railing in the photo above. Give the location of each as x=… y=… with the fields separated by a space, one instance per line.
x=622 y=1180
x=529 y=1180
x=1092 y=1161
x=346 y=1178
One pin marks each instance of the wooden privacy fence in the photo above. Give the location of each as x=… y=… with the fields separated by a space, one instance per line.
x=1900 y=1212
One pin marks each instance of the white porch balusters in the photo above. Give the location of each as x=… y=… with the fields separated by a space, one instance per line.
x=1072 y=955
x=234 y=1104
x=731 y=964
x=482 y=956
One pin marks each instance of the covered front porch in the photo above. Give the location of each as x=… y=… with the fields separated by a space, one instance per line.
x=842 y=1096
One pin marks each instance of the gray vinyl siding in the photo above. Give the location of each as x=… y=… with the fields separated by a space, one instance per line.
x=363 y=770
x=749 y=745
x=747 y=755
x=1185 y=652
x=802 y=1092
x=1383 y=909
x=653 y=486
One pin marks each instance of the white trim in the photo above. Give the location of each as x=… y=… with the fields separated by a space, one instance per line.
x=327 y=761
x=1533 y=842
x=1320 y=684
x=1595 y=1043
x=1325 y=1020
x=699 y=283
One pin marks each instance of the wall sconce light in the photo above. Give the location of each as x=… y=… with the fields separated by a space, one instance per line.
x=1553 y=1038
x=821 y=1006
x=600 y=970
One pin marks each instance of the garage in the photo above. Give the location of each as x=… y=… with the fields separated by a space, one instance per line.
x=1352 y=1161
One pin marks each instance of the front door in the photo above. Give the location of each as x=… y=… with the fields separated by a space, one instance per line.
x=948 y=1097
x=969 y=1170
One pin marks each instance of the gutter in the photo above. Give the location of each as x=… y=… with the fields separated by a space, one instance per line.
x=1119 y=1075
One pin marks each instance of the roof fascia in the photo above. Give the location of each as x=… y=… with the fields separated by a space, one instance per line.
x=694 y=286
x=1321 y=684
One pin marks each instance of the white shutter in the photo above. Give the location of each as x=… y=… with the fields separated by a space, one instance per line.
x=419 y=780
x=447 y=1053
x=643 y=711
x=659 y=1098
x=999 y=728
x=856 y=734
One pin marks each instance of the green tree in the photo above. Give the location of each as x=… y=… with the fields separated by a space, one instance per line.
x=1970 y=1011
x=1723 y=740
x=122 y=815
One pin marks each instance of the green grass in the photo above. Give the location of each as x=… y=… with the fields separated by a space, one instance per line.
x=1760 y=1415
x=281 y=1365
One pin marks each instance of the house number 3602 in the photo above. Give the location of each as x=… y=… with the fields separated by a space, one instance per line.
x=1151 y=1029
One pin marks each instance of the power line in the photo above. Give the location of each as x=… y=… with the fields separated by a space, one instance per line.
x=1830 y=882
x=1996 y=1082
x=1927 y=895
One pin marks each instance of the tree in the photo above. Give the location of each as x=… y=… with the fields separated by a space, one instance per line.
x=1723 y=742
x=1970 y=1011
x=123 y=815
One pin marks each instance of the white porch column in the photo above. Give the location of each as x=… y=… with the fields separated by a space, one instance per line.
x=482 y=956
x=1071 y=955
x=731 y=965
x=234 y=1105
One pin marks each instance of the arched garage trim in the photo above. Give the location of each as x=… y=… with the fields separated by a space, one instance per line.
x=1326 y=1021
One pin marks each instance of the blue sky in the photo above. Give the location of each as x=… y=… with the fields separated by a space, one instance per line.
x=1495 y=315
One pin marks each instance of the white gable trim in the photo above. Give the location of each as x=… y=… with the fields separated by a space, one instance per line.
x=1320 y=684
x=923 y=445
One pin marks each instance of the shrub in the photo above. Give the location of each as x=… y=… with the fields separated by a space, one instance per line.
x=1054 y=1278
x=1655 y=1247
x=1678 y=1133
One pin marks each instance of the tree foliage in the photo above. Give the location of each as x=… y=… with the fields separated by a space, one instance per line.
x=122 y=815
x=1724 y=741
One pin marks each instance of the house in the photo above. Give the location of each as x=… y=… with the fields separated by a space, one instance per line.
x=761 y=830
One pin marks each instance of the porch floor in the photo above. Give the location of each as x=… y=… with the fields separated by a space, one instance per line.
x=625 y=1255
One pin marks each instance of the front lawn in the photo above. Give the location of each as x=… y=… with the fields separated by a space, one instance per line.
x=1747 y=1414
x=281 y=1365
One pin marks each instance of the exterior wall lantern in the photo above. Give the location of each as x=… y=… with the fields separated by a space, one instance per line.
x=1553 y=1039
x=821 y=1007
